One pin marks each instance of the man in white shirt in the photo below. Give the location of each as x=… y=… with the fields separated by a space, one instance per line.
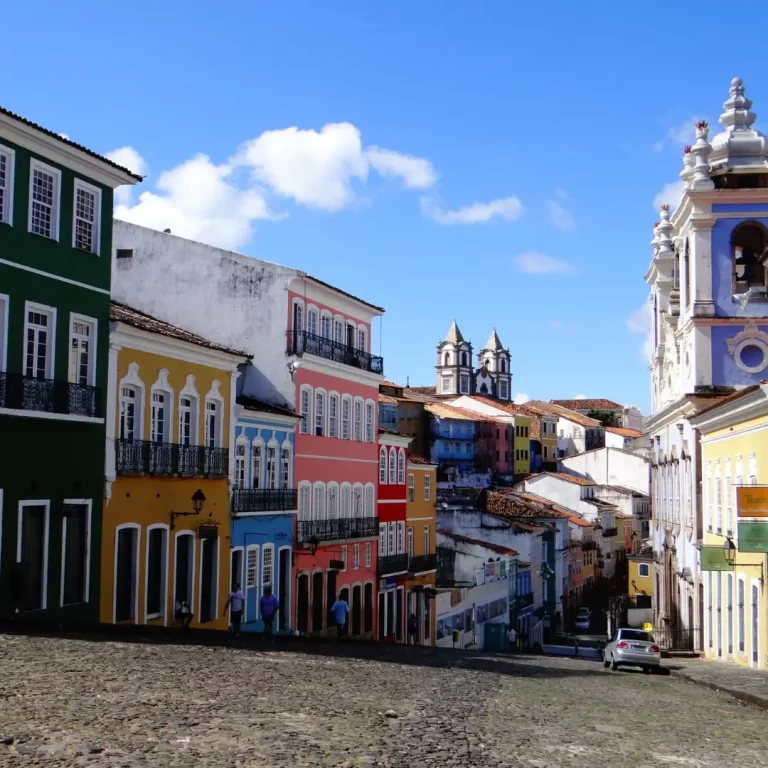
x=237 y=600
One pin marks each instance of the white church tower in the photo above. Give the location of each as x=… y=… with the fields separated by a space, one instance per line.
x=494 y=378
x=708 y=282
x=454 y=364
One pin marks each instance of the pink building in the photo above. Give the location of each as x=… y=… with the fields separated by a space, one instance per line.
x=336 y=461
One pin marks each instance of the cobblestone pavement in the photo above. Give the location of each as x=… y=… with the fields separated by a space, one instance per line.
x=68 y=702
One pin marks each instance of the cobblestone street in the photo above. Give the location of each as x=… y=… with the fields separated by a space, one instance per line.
x=76 y=703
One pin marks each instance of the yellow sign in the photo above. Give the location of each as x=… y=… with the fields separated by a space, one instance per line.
x=752 y=501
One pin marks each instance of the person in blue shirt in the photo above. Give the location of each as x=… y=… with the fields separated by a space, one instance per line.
x=269 y=606
x=340 y=609
x=237 y=600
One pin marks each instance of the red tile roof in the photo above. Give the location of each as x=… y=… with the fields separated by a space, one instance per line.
x=497 y=548
x=565 y=413
x=68 y=142
x=624 y=431
x=388 y=399
x=511 y=504
x=567 y=478
x=414 y=459
x=584 y=404
x=724 y=400
x=515 y=410
x=580 y=521
x=122 y=313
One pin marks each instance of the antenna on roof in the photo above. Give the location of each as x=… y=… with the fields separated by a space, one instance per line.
x=408 y=382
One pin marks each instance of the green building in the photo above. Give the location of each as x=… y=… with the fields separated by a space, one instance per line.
x=55 y=265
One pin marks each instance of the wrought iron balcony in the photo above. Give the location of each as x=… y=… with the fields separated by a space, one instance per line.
x=337 y=530
x=591 y=544
x=263 y=500
x=390 y=564
x=144 y=457
x=609 y=532
x=26 y=393
x=303 y=342
x=422 y=563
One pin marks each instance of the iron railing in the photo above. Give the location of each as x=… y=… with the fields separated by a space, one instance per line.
x=263 y=500
x=340 y=529
x=303 y=342
x=389 y=564
x=26 y=393
x=422 y=563
x=677 y=639
x=144 y=457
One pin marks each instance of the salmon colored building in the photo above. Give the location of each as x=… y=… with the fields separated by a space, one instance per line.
x=336 y=463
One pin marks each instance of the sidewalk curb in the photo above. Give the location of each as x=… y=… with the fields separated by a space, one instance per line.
x=748 y=698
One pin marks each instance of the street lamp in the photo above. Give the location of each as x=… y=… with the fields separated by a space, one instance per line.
x=729 y=550
x=312 y=543
x=198 y=502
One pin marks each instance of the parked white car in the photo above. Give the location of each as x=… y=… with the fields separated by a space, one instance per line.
x=584 y=619
x=632 y=648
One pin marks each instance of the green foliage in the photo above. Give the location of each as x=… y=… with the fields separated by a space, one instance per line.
x=604 y=417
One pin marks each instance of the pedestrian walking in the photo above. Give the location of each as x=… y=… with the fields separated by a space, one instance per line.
x=340 y=610
x=184 y=613
x=512 y=639
x=236 y=599
x=413 y=627
x=269 y=607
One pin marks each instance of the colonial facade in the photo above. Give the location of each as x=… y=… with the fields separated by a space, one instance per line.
x=169 y=448
x=707 y=283
x=55 y=242
x=264 y=506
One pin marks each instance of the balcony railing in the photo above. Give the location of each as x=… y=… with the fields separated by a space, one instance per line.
x=26 y=393
x=337 y=530
x=263 y=500
x=144 y=457
x=591 y=544
x=303 y=342
x=422 y=563
x=609 y=532
x=389 y=564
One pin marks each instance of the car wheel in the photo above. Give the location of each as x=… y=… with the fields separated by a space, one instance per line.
x=606 y=663
x=614 y=665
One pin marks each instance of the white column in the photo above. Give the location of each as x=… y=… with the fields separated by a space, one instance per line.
x=112 y=384
x=232 y=421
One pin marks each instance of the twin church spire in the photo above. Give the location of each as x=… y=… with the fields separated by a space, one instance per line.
x=457 y=376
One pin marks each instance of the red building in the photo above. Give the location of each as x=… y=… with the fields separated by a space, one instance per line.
x=336 y=464
x=393 y=552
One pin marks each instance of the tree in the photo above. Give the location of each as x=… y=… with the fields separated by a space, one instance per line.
x=606 y=418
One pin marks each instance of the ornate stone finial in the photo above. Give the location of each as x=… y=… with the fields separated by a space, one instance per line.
x=664 y=233
x=701 y=150
x=737 y=116
x=686 y=175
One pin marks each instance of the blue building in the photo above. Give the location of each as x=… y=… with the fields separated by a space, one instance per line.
x=264 y=506
x=452 y=435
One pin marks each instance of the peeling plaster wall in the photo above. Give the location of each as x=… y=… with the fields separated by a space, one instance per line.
x=225 y=297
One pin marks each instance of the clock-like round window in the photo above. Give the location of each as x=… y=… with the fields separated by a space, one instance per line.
x=751 y=355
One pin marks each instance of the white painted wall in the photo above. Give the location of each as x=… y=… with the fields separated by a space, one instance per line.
x=568 y=495
x=610 y=466
x=470 y=598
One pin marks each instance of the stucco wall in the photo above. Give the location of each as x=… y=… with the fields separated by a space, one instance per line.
x=609 y=466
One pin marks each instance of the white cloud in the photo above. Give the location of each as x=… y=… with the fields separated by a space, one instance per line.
x=558 y=325
x=658 y=146
x=535 y=263
x=580 y=397
x=415 y=172
x=219 y=204
x=197 y=200
x=129 y=158
x=670 y=194
x=507 y=208
x=679 y=135
x=520 y=398
x=559 y=216
x=640 y=322
x=562 y=194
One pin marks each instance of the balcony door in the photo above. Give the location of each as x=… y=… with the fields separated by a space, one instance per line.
x=284 y=589
x=357 y=610
x=208 y=579
x=302 y=603
x=350 y=336
x=39 y=347
x=317 y=601
x=126 y=574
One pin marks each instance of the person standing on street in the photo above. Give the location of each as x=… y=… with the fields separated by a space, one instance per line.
x=236 y=599
x=413 y=628
x=269 y=605
x=512 y=638
x=340 y=609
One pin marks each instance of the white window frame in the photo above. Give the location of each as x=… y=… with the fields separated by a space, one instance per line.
x=339 y=323
x=192 y=566
x=132 y=380
x=369 y=500
x=306 y=418
x=10 y=172
x=358 y=422
x=334 y=414
x=252 y=558
x=96 y=237
x=286 y=478
x=241 y=460
x=93 y=340
x=267 y=548
x=50 y=360
x=346 y=426
x=136 y=567
x=333 y=501
x=304 y=511
x=382 y=539
x=718 y=500
x=383 y=462
x=320 y=398
x=272 y=479
x=319 y=499
x=393 y=466
x=427 y=487
x=34 y=165
x=411 y=486
x=258 y=442
x=314 y=313
x=401 y=467
x=164 y=591
x=370 y=417
x=345 y=501
x=326 y=317
x=5 y=303
x=368 y=550
x=362 y=338
x=640 y=570
x=215 y=398
x=355 y=557
x=88 y=504
x=426 y=540
x=357 y=494
x=167 y=428
x=409 y=539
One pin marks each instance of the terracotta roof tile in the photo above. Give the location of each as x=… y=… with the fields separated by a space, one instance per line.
x=580 y=521
x=514 y=505
x=122 y=313
x=567 y=478
x=444 y=411
x=68 y=142
x=730 y=398
x=515 y=410
x=388 y=399
x=497 y=548
x=600 y=404
x=624 y=431
x=565 y=413
x=415 y=459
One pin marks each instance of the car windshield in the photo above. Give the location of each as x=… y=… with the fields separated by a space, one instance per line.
x=635 y=634
x=583 y=611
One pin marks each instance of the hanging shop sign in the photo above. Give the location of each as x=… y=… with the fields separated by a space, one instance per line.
x=752 y=501
x=753 y=537
x=713 y=559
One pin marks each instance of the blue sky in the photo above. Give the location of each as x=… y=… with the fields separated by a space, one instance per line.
x=414 y=154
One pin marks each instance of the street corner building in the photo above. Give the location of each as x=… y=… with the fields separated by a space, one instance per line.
x=56 y=200
x=264 y=507
x=169 y=452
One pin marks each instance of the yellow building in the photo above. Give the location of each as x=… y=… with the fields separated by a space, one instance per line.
x=421 y=524
x=522 y=449
x=734 y=458
x=166 y=527
x=640 y=574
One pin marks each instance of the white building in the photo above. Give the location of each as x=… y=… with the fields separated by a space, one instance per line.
x=576 y=433
x=708 y=287
x=611 y=466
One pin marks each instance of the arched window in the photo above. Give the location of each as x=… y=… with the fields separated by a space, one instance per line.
x=392 y=466
x=333 y=501
x=369 y=500
x=748 y=243
x=383 y=465
x=318 y=511
x=401 y=467
x=447 y=359
x=464 y=359
x=346 y=500
x=503 y=365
